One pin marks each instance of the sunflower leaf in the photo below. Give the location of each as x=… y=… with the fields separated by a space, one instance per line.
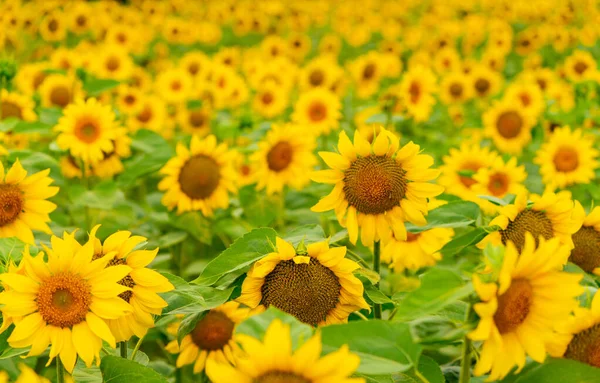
x=187 y=298
x=120 y=370
x=451 y=215
x=561 y=370
x=459 y=243
x=95 y=86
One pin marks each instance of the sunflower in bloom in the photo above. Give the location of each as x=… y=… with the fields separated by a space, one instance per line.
x=144 y=283
x=273 y=360
x=528 y=96
x=174 y=85
x=586 y=243
x=58 y=90
x=518 y=312
x=550 y=215
x=581 y=66
x=315 y=284
x=270 y=100
x=318 y=109
x=113 y=62
x=17 y=106
x=485 y=81
x=509 y=126
x=378 y=186
x=199 y=178
x=212 y=338
x=498 y=180
x=417 y=90
x=569 y=157
x=284 y=157
x=455 y=88
x=111 y=163
x=195 y=121
x=65 y=302
x=24 y=202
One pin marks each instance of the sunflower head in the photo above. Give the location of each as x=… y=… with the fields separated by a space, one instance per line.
x=586 y=242
x=318 y=109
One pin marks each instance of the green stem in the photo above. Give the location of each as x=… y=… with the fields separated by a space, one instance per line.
x=123 y=348
x=465 y=363
x=60 y=371
x=376 y=264
x=137 y=348
x=360 y=315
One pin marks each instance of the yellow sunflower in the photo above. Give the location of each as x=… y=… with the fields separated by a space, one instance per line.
x=17 y=106
x=70 y=168
x=53 y=27
x=195 y=121
x=284 y=158
x=64 y=302
x=455 y=88
x=509 y=125
x=212 y=338
x=12 y=268
x=319 y=110
x=58 y=90
x=114 y=62
x=417 y=90
x=174 y=85
x=528 y=96
x=581 y=66
x=485 y=81
x=197 y=64
x=367 y=71
x=550 y=215
x=319 y=72
x=270 y=100
x=587 y=242
x=315 y=283
x=274 y=361
x=27 y=375
x=24 y=202
x=518 y=312
x=378 y=186
x=30 y=76
x=87 y=129
x=152 y=115
x=111 y=163
x=568 y=157
x=199 y=178
x=129 y=99
x=498 y=180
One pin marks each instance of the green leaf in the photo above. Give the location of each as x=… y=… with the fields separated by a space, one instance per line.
x=196 y=225
x=194 y=104
x=32 y=127
x=188 y=323
x=375 y=295
x=156 y=151
x=102 y=197
x=383 y=347
x=11 y=248
x=187 y=298
x=120 y=370
x=259 y=209
x=308 y=233
x=494 y=200
x=172 y=238
x=95 y=86
x=50 y=116
x=451 y=215
x=239 y=256
x=561 y=370
x=427 y=369
x=459 y=243
x=439 y=288
x=8 y=124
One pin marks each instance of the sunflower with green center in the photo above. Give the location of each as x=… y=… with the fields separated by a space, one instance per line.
x=199 y=178
x=509 y=126
x=518 y=311
x=273 y=361
x=284 y=158
x=548 y=216
x=65 y=302
x=212 y=338
x=586 y=243
x=319 y=110
x=315 y=284
x=498 y=180
x=23 y=202
x=378 y=186
x=569 y=157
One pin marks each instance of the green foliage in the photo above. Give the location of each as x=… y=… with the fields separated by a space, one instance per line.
x=451 y=215
x=187 y=298
x=120 y=370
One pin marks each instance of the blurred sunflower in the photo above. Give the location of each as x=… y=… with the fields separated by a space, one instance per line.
x=199 y=178
x=417 y=90
x=30 y=76
x=17 y=106
x=485 y=81
x=568 y=157
x=212 y=338
x=195 y=121
x=378 y=186
x=27 y=375
x=129 y=99
x=528 y=96
x=509 y=126
x=319 y=72
x=58 y=90
x=580 y=66
x=270 y=100
x=174 y=85
x=367 y=73
x=319 y=110
x=587 y=242
x=330 y=45
x=53 y=27
x=314 y=284
x=498 y=180
x=111 y=164
x=273 y=361
x=518 y=312
x=152 y=115
x=197 y=64
x=455 y=88
x=113 y=62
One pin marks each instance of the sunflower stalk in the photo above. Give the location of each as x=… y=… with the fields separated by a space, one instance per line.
x=60 y=371
x=137 y=348
x=376 y=264
x=465 y=363
x=123 y=349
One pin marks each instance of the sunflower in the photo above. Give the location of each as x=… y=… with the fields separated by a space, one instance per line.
x=199 y=178
x=319 y=110
x=58 y=90
x=315 y=283
x=485 y=81
x=12 y=268
x=284 y=158
x=113 y=62
x=417 y=90
x=509 y=126
x=195 y=121
x=528 y=96
x=581 y=66
x=273 y=361
x=548 y=216
x=17 y=106
x=129 y=99
x=174 y=85
x=330 y=45
x=196 y=64
x=378 y=186
x=587 y=242
x=246 y=172
x=111 y=163
x=70 y=168
x=299 y=45
x=460 y=166
x=367 y=73
x=212 y=338
x=64 y=302
x=151 y=115
x=53 y=27
x=87 y=129
x=569 y=157
x=518 y=311
x=30 y=76
x=229 y=57
x=270 y=100
x=446 y=60
x=319 y=72
x=144 y=283
x=80 y=21
x=498 y=180
x=455 y=88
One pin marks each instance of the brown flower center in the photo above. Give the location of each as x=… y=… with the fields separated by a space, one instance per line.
x=415 y=92
x=317 y=111
x=585 y=346
x=11 y=203
x=53 y=25
x=113 y=63
x=193 y=68
x=412 y=237
x=566 y=159
x=213 y=332
x=176 y=85
x=374 y=184
x=369 y=71
x=482 y=86
x=532 y=221
x=316 y=77
x=129 y=99
x=64 y=299
x=145 y=115
x=509 y=124
x=199 y=177
x=126 y=281
x=280 y=156
x=585 y=254
x=267 y=98
x=197 y=118
x=281 y=377
x=513 y=306
x=467 y=180
x=525 y=99
x=307 y=291
x=498 y=184
x=10 y=109
x=580 y=67
x=81 y=20
x=60 y=96
x=87 y=131
x=456 y=90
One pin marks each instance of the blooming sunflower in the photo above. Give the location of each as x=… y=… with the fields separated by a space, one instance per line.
x=111 y=163
x=528 y=96
x=27 y=375
x=550 y=215
x=53 y=27
x=284 y=157
x=509 y=126
x=314 y=284
x=199 y=178
x=318 y=109
x=113 y=62
x=581 y=66
x=65 y=302
x=455 y=88
x=486 y=82
x=197 y=64
x=273 y=361
x=367 y=72
x=568 y=157
x=586 y=243
x=518 y=311
x=319 y=72
x=378 y=186
x=195 y=121
x=212 y=338
x=417 y=90
x=498 y=180
x=17 y=106
x=270 y=100
x=58 y=90
x=87 y=129
x=151 y=115
x=129 y=99
x=174 y=85
x=24 y=202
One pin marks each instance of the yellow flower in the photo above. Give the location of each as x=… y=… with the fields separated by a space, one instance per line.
x=319 y=110
x=53 y=27
x=212 y=338
x=27 y=375
x=455 y=88
x=498 y=180
x=152 y=115
x=30 y=76
x=270 y=100
x=580 y=66
x=17 y=106
x=197 y=64
x=58 y=90
x=273 y=360
x=64 y=302
x=24 y=202
x=199 y=178
x=174 y=85
x=367 y=71
x=528 y=96
x=417 y=90
x=509 y=126
x=378 y=186
x=195 y=121
x=586 y=242
x=112 y=61
x=129 y=99
x=111 y=163
x=518 y=311
x=314 y=284
x=568 y=157
x=319 y=72
x=486 y=82
x=446 y=60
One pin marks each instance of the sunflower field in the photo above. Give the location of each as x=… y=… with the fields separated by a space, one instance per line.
x=299 y=191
